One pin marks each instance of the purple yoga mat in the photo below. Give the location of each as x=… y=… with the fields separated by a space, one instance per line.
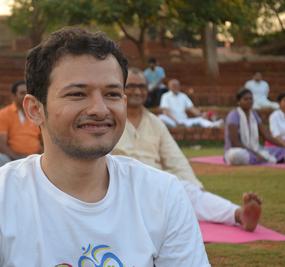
x=220 y=233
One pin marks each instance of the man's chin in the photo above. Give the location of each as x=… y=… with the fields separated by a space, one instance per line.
x=87 y=153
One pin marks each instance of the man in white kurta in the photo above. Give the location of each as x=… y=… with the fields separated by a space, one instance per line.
x=260 y=92
x=175 y=105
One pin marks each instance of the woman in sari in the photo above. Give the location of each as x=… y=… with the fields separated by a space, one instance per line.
x=243 y=128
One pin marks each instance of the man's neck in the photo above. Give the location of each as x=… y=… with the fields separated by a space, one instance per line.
x=135 y=115
x=82 y=179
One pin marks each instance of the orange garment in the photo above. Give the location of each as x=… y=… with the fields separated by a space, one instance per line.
x=23 y=138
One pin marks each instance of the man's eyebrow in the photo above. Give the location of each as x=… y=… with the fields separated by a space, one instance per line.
x=114 y=86
x=78 y=85
x=84 y=86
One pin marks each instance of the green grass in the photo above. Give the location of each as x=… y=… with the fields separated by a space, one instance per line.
x=230 y=183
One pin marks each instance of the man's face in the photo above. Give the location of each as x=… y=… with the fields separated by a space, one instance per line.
x=86 y=106
x=136 y=90
x=174 y=86
x=257 y=77
x=152 y=65
x=20 y=94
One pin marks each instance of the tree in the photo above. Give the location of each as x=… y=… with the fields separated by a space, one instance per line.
x=139 y=14
x=35 y=17
x=202 y=17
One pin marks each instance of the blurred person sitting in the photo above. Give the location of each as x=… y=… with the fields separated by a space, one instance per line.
x=147 y=139
x=175 y=105
x=243 y=127
x=155 y=76
x=19 y=137
x=260 y=91
x=277 y=120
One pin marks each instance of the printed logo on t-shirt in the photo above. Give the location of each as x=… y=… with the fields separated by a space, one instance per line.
x=99 y=256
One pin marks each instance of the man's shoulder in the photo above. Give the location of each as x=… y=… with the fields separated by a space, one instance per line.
x=183 y=95
x=7 y=109
x=152 y=118
x=276 y=114
x=159 y=69
x=167 y=95
x=139 y=173
x=16 y=174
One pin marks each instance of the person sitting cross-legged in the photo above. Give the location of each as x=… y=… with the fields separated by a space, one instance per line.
x=147 y=139
x=175 y=105
x=243 y=127
x=260 y=91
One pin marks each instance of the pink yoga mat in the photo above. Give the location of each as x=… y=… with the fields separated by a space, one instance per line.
x=220 y=233
x=220 y=161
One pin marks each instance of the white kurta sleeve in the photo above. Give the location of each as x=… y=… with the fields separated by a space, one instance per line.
x=173 y=159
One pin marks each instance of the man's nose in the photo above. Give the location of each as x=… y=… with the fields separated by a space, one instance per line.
x=97 y=105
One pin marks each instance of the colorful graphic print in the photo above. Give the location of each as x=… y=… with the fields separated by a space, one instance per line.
x=98 y=256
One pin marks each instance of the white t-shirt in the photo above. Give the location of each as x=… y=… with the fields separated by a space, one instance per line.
x=260 y=90
x=144 y=219
x=177 y=104
x=277 y=123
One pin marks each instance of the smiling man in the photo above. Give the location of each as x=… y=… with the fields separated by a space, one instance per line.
x=75 y=205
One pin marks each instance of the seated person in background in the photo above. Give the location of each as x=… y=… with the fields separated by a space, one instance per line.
x=260 y=91
x=155 y=76
x=147 y=139
x=19 y=137
x=243 y=127
x=175 y=105
x=277 y=120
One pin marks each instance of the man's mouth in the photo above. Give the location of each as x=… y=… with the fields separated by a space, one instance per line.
x=97 y=127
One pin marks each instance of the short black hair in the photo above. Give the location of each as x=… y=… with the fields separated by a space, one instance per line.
x=67 y=41
x=241 y=92
x=280 y=97
x=15 y=85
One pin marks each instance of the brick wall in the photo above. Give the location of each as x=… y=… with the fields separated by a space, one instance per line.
x=206 y=92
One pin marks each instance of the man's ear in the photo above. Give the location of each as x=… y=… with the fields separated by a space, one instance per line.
x=34 y=109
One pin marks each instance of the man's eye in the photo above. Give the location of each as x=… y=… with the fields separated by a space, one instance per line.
x=76 y=94
x=114 y=95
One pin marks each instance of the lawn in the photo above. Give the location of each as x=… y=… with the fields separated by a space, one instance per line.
x=231 y=182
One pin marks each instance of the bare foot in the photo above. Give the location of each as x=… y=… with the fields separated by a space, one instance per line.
x=249 y=213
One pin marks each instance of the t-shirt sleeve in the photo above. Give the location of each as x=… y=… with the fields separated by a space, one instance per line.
x=188 y=102
x=183 y=244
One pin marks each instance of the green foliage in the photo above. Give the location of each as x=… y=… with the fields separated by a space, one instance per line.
x=184 y=19
x=128 y=12
x=191 y=16
x=35 y=17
